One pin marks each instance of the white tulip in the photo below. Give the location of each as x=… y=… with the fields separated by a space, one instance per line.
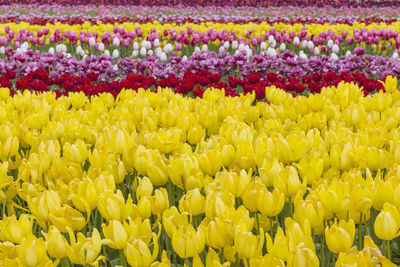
x=271 y=38
x=92 y=41
x=241 y=47
x=282 y=47
x=304 y=43
x=135 y=53
x=204 y=48
x=143 y=51
x=330 y=43
x=115 y=53
x=310 y=45
x=158 y=51
x=197 y=49
x=334 y=56
x=150 y=53
x=303 y=55
x=335 y=49
x=2 y=50
x=296 y=41
x=348 y=53
x=271 y=52
x=184 y=58
x=234 y=45
x=221 y=49
x=263 y=46
x=115 y=67
x=163 y=57
x=101 y=47
x=316 y=51
x=226 y=45
x=156 y=43
x=116 y=41
x=272 y=44
x=168 y=48
x=106 y=52
x=51 y=50
x=395 y=55
x=135 y=46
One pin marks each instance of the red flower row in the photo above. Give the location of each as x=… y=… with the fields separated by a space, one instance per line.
x=193 y=83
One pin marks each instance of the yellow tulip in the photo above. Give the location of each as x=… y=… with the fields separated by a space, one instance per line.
x=85 y=250
x=32 y=252
x=387 y=223
x=115 y=234
x=279 y=248
x=159 y=202
x=339 y=237
x=112 y=206
x=138 y=229
x=192 y=202
x=187 y=242
x=270 y=203
x=56 y=243
x=247 y=244
x=14 y=230
x=172 y=220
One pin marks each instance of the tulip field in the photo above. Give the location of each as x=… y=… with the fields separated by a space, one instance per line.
x=200 y=133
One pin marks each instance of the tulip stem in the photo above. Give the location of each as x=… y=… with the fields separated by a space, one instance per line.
x=257 y=223
x=122 y=258
x=389 y=256
x=359 y=231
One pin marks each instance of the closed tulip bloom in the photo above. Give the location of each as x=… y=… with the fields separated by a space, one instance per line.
x=84 y=250
x=172 y=220
x=84 y=191
x=56 y=243
x=139 y=254
x=245 y=156
x=340 y=237
x=292 y=148
x=270 y=203
x=76 y=152
x=32 y=252
x=288 y=181
x=234 y=182
x=145 y=188
x=69 y=217
x=210 y=162
x=313 y=211
x=387 y=223
x=247 y=244
x=279 y=247
x=195 y=134
x=159 y=202
x=187 y=242
x=216 y=236
x=43 y=204
x=14 y=230
x=251 y=194
x=390 y=84
x=192 y=202
x=304 y=257
x=115 y=234
x=139 y=229
x=336 y=198
x=112 y=206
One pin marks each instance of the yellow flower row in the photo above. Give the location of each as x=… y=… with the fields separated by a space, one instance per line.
x=150 y=179
x=239 y=29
